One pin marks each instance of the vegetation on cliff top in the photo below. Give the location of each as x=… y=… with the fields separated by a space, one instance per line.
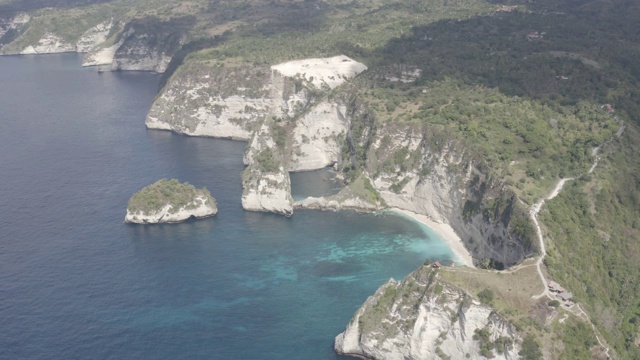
x=530 y=91
x=155 y=197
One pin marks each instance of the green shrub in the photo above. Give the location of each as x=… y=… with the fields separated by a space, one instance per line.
x=485 y=296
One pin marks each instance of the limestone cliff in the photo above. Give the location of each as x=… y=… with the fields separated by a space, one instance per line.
x=214 y=101
x=278 y=108
x=444 y=181
x=225 y=101
x=318 y=137
x=266 y=183
x=148 y=44
x=200 y=207
x=422 y=317
x=169 y=201
x=145 y=43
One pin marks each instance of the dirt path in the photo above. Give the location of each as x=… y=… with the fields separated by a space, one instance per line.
x=533 y=213
x=576 y=309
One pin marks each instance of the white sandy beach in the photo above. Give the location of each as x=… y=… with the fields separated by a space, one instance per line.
x=446 y=233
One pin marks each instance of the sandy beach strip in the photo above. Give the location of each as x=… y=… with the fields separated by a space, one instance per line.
x=445 y=232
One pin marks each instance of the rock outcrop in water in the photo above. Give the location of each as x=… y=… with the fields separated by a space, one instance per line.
x=422 y=317
x=292 y=125
x=280 y=109
x=265 y=182
x=168 y=201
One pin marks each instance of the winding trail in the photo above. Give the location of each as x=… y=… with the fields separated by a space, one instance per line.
x=576 y=309
x=533 y=213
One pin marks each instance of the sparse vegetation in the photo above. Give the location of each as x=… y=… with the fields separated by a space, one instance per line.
x=485 y=296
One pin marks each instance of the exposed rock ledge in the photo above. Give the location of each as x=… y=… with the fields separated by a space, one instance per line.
x=200 y=208
x=421 y=317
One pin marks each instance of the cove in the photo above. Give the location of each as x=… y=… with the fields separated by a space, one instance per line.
x=76 y=282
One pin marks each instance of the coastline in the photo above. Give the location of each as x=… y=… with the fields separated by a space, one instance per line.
x=445 y=232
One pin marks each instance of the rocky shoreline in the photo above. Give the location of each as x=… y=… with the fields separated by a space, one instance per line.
x=165 y=215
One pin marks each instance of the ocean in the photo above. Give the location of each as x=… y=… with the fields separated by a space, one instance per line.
x=76 y=282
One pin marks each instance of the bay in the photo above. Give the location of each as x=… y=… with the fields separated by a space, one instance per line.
x=78 y=283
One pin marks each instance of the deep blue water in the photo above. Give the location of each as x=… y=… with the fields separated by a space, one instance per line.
x=78 y=283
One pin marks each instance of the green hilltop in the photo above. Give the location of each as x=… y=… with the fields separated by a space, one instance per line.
x=153 y=198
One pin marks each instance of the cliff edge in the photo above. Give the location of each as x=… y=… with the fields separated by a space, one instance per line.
x=422 y=317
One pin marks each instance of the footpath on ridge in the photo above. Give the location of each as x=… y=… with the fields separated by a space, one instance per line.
x=575 y=308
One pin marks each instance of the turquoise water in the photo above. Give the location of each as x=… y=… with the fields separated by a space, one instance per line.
x=78 y=283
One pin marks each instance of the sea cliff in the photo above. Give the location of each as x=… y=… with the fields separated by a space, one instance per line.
x=422 y=317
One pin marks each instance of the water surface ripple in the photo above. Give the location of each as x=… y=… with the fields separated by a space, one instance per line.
x=78 y=283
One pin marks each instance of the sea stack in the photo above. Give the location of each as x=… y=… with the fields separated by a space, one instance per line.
x=169 y=201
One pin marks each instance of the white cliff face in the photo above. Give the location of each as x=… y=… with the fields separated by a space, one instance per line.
x=50 y=43
x=140 y=59
x=148 y=44
x=318 y=137
x=233 y=102
x=94 y=37
x=423 y=318
x=219 y=103
x=246 y=102
x=100 y=55
x=445 y=186
x=266 y=183
x=431 y=193
x=200 y=207
x=270 y=192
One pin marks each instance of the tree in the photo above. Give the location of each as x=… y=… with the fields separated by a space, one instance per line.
x=530 y=349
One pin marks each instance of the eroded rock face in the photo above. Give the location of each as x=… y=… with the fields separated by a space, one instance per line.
x=422 y=317
x=101 y=55
x=145 y=51
x=200 y=207
x=266 y=184
x=318 y=137
x=232 y=102
x=446 y=185
x=214 y=101
x=50 y=43
x=276 y=108
x=94 y=37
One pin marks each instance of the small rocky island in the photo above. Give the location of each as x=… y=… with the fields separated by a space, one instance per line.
x=169 y=201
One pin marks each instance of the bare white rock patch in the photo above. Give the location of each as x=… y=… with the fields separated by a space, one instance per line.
x=331 y=72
